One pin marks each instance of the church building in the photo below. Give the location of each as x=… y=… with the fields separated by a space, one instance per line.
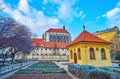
x=88 y=49
x=53 y=45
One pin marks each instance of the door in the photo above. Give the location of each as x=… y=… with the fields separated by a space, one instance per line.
x=75 y=58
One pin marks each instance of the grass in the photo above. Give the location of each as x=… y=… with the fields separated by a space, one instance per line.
x=45 y=66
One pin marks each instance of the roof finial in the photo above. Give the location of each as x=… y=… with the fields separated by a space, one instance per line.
x=83 y=26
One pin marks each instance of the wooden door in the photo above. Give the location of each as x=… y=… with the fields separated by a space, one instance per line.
x=75 y=58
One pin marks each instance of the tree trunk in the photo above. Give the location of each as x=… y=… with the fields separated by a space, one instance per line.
x=4 y=58
x=13 y=55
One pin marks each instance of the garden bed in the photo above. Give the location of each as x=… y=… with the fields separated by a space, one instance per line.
x=41 y=71
x=38 y=65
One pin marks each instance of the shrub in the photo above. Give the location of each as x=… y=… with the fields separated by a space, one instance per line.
x=71 y=68
x=111 y=69
x=91 y=72
x=82 y=70
x=98 y=74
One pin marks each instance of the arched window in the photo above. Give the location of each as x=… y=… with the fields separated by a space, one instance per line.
x=92 y=54
x=71 y=53
x=103 y=55
x=79 y=54
x=64 y=38
x=60 y=38
x=67 y=38
x=50 y=37
x=57 y=38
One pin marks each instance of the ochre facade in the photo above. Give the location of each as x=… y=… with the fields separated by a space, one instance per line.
x=83 y=57
x=88 y=49
x=108 y=36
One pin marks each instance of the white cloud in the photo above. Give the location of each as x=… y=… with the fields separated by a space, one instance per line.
x=118 y=4
x=83 y=16
x=45 y=2
x=24 y=6
x=35 y=20
x=113 y=12
x=112 y=16
x=66 y=10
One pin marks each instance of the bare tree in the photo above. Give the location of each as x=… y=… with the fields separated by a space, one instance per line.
x=14 y=36
x=22 y=41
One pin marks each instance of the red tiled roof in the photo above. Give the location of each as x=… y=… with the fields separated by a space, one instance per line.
x=56 y=44
x=57 y=30
x=37 y=42
x=88 y=37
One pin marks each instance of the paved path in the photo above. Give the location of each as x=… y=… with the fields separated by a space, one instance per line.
x=8 y=74
x=4 y=76
x=64 y=65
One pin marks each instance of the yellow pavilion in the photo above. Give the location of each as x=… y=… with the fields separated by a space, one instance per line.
x=88 y=49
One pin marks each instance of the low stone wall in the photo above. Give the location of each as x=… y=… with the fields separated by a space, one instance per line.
x=52 y=58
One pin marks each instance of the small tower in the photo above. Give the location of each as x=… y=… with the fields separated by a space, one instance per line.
x=63 y=26
x=43 y=37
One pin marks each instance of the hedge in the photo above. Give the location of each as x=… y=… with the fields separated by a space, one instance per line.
x=91 y=72
x=111 y=69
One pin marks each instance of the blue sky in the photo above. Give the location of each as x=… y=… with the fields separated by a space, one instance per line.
x=40 y=15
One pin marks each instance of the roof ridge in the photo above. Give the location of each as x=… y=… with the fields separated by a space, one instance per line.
x=57 y=30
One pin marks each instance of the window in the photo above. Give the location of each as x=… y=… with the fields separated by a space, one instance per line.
x=119 y=39
x=57 y=38
x=41 y=47
x=110 y=35
x=64 y=38
x=103 y=55
x=92 y=54
x=79 y=54
x=71 y=53
x=50 y=37
x=103 y=37
x=67 y=38
x=117 y=46
x=60 y=38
